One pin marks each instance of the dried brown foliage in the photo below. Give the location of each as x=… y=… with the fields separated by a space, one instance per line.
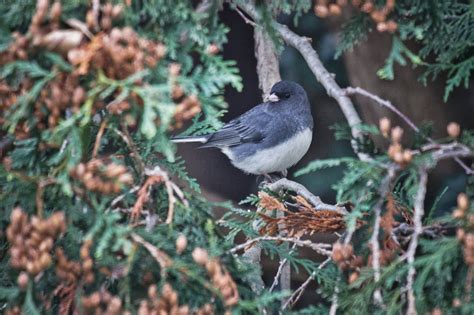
x=304 y=220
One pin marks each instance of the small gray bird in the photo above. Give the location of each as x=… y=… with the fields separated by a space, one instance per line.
x=270 y=137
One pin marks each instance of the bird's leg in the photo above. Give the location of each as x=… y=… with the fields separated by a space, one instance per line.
x=284 y=173
x=267 y=179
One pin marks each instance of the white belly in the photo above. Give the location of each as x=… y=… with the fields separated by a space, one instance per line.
x=276 y=159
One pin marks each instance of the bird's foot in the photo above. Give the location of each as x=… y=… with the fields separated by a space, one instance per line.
x=270 y=178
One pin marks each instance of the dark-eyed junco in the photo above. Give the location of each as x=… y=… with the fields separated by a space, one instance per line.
x=270 y=137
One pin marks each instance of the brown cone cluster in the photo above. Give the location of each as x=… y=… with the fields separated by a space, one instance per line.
x=220 y=278
x=466 y=234
x=103 y=178
x=326 y=8
x=32 y=240
x=401 y=156
x=119 y=54
x=103 y=302
x=70 y=271
x=344 y=257
x=164 y=303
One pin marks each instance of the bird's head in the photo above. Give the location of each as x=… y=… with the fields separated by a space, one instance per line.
x=285 y=90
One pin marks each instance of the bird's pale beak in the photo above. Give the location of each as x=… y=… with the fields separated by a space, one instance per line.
x=272 y=98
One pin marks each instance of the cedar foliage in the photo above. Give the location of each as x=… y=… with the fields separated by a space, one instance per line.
x=98 y=214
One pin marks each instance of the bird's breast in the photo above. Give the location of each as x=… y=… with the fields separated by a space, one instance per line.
x=276 y=158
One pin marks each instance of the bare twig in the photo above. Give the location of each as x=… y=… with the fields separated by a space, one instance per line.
x=418 y=229
x=245 y=18
x=320 y=248
x=280 y=269
x=391 y=107
x=285 y=184
x=382 y=102
x=299 y=292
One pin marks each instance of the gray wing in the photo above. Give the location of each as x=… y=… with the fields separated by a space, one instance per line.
x=248 y=128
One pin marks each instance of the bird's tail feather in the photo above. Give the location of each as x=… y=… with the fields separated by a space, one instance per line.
x=188 y=139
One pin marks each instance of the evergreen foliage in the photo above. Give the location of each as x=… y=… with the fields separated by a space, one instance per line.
x=99 y=215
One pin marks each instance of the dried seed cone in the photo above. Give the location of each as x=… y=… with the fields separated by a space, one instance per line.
x=463 y=201
x=453 y=129
x=181 y=243
x=384 y=126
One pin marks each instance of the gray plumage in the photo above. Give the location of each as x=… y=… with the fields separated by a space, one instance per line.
x=271 y=136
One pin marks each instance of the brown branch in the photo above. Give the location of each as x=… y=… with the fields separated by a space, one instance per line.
x=280 y=269
x=267 y=61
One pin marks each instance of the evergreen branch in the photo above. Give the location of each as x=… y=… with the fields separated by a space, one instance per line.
x=391 y=107
x=320 y=248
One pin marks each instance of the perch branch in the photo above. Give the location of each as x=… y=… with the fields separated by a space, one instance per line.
x=285 y=184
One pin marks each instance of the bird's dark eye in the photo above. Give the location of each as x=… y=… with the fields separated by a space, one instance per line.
x=286 y=95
